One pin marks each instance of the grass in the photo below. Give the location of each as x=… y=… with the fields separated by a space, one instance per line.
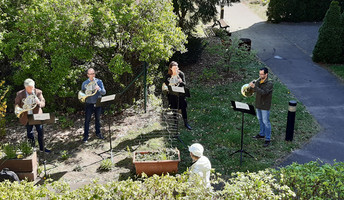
x=338 y=70
x=218 y=128
x=257 y=8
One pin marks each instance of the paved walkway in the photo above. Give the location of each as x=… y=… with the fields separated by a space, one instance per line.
x=286 y=48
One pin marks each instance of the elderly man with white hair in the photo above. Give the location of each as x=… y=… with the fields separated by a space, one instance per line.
x=201 y=164
x=30 y=90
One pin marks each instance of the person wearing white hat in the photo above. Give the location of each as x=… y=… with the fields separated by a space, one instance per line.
x=29 y=90
x=201 y=164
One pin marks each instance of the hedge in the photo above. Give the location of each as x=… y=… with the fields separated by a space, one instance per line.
x=298 y=10
x=313 y=180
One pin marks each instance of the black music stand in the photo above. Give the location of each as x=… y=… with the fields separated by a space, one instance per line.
x=243 y=108
x=179 y=91
x=106 y=101
x=40 y=119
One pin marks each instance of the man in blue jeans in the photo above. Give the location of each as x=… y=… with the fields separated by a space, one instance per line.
x=91 y=102
x=263 y=89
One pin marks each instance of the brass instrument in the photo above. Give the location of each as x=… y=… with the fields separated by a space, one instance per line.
x=246 y=89
x=29 y=104
x=90 y=91
x=174 y=80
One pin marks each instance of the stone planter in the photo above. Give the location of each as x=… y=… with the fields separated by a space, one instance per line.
x=155 y=167
x=24 y=168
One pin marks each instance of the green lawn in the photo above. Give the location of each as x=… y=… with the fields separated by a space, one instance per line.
x=218 y=127
x=338 y=70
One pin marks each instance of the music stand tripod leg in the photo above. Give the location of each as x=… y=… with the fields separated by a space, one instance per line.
x=44 y=158
x=109 y=124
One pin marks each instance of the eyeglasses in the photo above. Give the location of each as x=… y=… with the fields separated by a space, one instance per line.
x=91 y=74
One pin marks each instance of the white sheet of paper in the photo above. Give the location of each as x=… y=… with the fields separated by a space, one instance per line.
x=108 y=98
x=44 y=116
x=240 y=105
x=178 y=89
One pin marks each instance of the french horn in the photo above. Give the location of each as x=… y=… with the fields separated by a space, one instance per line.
x=29 y=104
x=90 y=91
x=246 y=89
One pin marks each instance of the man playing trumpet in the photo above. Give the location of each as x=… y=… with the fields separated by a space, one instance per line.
x=263 y=89
x=32 y=100
x=91 y=103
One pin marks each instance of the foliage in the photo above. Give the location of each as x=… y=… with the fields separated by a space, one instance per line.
x=3 y=106
x=163 y=154
x=233 y=53
x=64 y=155
x=328 y=48
x=314 y=180
x=26 y=148
x=190 y=13
x=296 y=181
x=106 y=165
x=10 y=151
x=298 y=10
x=54 y=41
x=260 y=185
x=65 y=122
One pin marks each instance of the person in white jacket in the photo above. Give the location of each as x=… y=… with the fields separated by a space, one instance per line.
x=201 y=164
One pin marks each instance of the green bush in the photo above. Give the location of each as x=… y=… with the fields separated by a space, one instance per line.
x=308 y=181
x=313 y=180
x=10 y=151
x=54 y=41
x=298 y=10
x=328 y=48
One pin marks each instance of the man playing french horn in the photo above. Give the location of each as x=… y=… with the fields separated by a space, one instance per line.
x=96 y=89
x=27 y=102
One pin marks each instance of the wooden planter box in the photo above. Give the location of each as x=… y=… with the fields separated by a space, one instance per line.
x=155 y=167
x=24 y=168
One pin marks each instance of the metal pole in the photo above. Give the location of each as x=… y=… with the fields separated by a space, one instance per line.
x=145 y=86
x=222 y=11
x=290 y=121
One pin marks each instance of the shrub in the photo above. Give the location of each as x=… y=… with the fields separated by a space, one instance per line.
x=298 y=10
x=261 y=185
x=106 y=165
x=313 y=180
x=328 y=48
x=10 y=151
x=3 y=107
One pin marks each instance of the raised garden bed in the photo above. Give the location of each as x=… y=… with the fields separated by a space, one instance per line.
x=156 y=162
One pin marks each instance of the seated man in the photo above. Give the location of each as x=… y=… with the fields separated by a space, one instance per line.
x=201 y=164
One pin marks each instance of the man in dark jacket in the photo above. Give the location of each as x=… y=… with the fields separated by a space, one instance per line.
x=263 y=89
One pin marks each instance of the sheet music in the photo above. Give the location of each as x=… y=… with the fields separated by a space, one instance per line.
x=108 y=98
x=40 y=117
x=240 y=105
x=178 y=89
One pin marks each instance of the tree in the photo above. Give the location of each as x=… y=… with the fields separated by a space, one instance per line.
x=191 y=12
x=328 y=48
x=54 y=41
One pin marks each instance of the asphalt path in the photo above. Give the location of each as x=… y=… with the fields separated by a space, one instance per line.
x=286 y=48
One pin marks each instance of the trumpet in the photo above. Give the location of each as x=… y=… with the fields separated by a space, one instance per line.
x=29 y=104
x=90 y=91
x=246 y=89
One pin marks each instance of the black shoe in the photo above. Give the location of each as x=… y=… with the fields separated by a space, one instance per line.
x=46 y=151
x=258 y=136
x=84 y=140
x=100 y=136
x=266 y=143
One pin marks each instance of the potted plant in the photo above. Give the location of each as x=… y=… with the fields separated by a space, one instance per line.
x=156 y=162
x=20 y=159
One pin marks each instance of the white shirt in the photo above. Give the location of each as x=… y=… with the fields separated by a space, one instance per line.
x=202 y=167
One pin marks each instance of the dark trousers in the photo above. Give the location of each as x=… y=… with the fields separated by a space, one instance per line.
x=31 y=136
x=89 y=110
